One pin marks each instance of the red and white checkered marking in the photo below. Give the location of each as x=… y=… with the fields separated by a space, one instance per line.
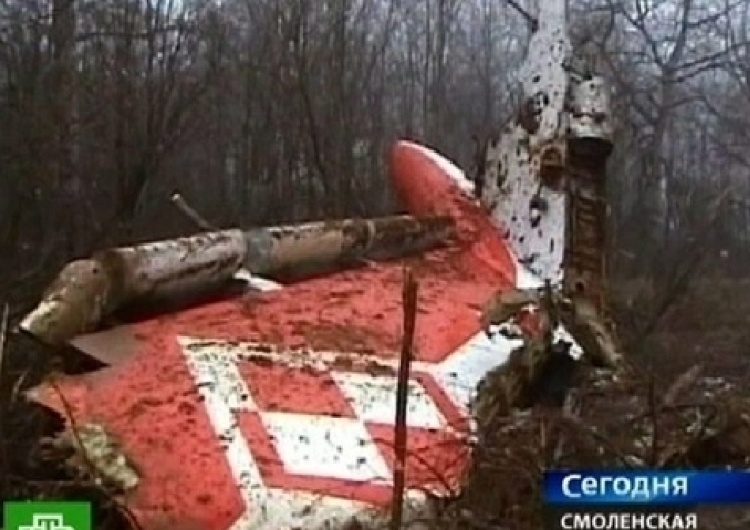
x=372 y=398
x=304 y=430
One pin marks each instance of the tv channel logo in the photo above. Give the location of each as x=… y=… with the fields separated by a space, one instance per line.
x=47 y=515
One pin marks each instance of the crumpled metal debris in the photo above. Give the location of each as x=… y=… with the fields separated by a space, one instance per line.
x=556 y=333
x=578 y=315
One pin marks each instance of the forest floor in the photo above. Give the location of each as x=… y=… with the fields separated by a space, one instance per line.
x=708 y=326
x=686 y=406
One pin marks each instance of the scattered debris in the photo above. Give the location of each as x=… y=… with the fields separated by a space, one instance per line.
x=577 y=315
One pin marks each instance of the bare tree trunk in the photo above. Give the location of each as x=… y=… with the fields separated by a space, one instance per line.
x=64 y=174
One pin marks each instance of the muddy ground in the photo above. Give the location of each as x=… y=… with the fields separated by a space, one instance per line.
x=693 y=370
x=709 y=325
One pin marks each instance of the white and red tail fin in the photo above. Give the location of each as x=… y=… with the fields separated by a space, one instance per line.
x=543 y=178
x=429 y=184
x=530 y=211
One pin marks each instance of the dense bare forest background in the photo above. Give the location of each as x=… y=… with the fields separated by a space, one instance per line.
x=268 y=111
x=272 y=111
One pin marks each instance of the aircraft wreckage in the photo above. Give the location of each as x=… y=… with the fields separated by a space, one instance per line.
x=273 y=406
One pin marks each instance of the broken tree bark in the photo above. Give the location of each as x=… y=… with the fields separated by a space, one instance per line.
x=87 y=290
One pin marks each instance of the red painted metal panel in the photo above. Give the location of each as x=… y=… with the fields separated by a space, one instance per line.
x=169 y=421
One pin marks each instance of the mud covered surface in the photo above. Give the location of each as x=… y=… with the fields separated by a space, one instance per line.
x=695 y=422
x=30 y=467
x=686 y=406
x=668 y=414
